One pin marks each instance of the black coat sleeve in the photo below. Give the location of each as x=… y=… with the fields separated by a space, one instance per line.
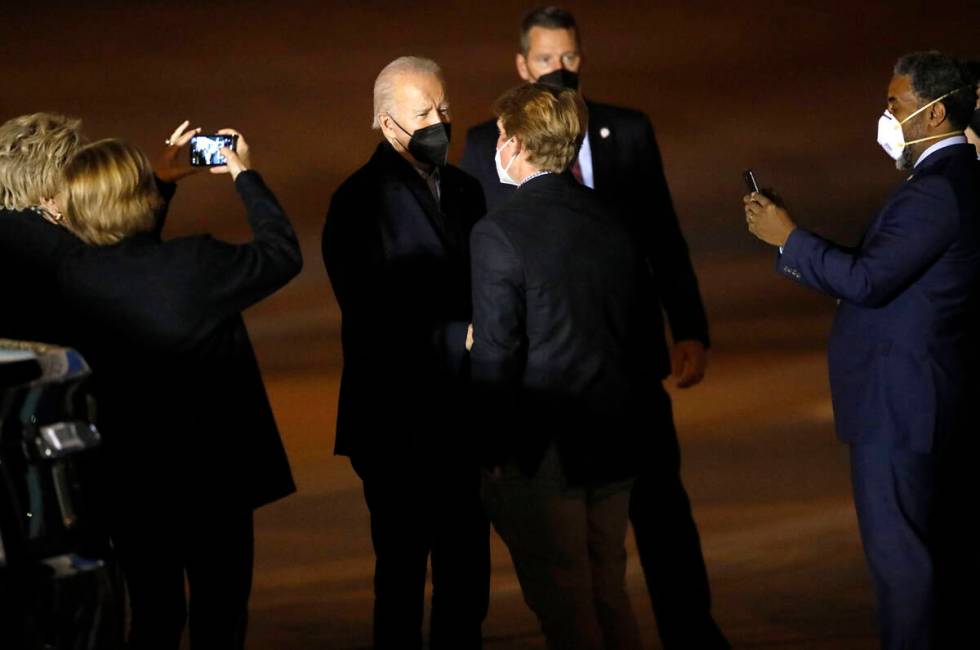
x=499 y=304
x=499 y=355
x=665 y=248
x=238 y=276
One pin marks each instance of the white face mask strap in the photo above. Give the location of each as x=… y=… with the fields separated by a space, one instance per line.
x=512 y=159
x=933 y=137
x=938 y=99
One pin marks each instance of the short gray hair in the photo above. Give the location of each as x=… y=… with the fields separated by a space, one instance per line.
x=384 y=85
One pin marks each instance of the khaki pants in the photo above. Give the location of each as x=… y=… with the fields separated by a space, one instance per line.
x=568 y=547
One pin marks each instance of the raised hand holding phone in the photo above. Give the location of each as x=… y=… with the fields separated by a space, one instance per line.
x=169 y=165
x=764 y=214
x=238 y=159
x=206 y=149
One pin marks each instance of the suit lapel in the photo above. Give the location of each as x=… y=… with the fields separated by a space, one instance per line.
x=601 y=137
x=411 y=179
x=964 y=149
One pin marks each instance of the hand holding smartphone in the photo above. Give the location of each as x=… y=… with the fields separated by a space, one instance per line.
x=206 y=149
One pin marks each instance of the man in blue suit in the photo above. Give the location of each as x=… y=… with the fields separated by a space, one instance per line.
x=902 y=342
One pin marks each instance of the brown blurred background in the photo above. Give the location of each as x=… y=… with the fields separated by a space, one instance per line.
x=792 y=89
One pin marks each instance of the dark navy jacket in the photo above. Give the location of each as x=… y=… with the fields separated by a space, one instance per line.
x=903 y=338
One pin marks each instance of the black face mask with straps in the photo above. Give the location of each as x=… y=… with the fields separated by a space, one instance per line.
x=560 y=78
x=429 y=145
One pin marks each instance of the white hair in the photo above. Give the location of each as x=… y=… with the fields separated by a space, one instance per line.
x=384 y=85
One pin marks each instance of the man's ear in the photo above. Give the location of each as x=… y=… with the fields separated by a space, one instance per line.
x=387 y=128
x=937 y=114
x=521 y=61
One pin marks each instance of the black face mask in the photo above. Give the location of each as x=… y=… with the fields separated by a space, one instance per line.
x=560 y=78
x=429 y=145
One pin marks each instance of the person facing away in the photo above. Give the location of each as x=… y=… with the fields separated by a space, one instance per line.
x=33 y=151
x=562 y=368
x=902 y=349
x=620 y=159
x=191 y=445
x=396 y=250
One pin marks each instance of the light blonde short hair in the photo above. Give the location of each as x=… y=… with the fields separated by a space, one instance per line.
x=33 y=151
x=384 y=85
x=109 y=193
x=549 y=122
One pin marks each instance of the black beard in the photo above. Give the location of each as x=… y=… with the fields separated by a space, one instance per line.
x=906 y=160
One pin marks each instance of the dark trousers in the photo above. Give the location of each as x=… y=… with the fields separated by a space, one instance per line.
x=213 y=548
x=669 y=546
x=895 y=494
x=414 y=516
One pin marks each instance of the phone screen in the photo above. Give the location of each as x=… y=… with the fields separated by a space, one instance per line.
x=206 y=149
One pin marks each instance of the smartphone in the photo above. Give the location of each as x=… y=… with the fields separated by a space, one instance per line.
x=206 y=149
x=750 y=183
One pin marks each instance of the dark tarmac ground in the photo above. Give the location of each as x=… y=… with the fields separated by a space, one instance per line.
x=792 y=89
x=768 y=481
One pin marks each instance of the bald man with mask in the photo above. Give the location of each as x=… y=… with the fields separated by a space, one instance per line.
x=396 y=250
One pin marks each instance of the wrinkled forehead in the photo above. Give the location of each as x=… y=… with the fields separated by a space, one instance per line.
x=419 y=89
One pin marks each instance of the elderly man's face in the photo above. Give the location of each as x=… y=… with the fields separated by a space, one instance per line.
x=419 y=101
x=549 y=50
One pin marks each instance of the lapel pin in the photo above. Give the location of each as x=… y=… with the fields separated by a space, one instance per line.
x=604 y=132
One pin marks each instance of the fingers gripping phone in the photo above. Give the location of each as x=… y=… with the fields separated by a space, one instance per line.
x=206 y=149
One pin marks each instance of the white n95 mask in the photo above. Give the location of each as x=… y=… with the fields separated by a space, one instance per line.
x=501 y=170
x=890 y=135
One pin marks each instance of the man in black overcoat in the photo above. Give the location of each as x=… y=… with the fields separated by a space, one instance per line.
x=395 y=247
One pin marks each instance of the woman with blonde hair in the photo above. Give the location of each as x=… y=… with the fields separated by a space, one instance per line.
x=33 y=150
x=561 y=361
x=191 y=441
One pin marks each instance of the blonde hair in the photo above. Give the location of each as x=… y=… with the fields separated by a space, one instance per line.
x=33 y=151
x=549 y=122
x=109 y=192
x=384 y=85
